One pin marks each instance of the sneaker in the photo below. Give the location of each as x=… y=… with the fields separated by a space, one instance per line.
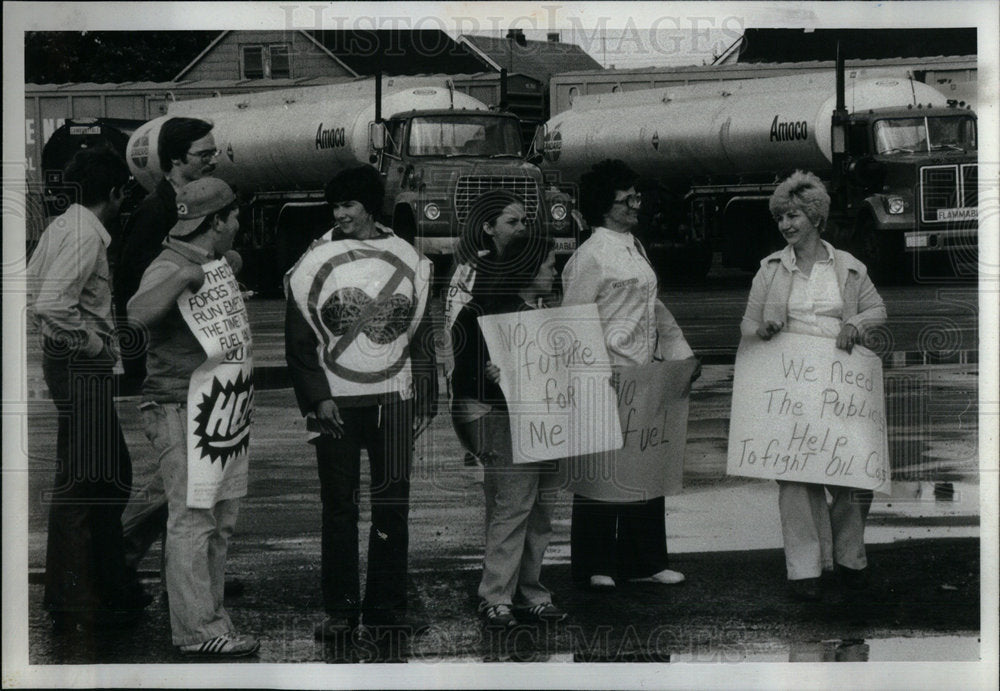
x=547 y=613
x=497 y=616
x=602 y=582
x=332 y=627
x=665 y=577
x=226 y=645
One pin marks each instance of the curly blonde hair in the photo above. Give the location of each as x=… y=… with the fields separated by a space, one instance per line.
x=804 y=191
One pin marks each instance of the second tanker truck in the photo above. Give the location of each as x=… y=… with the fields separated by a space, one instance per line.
x=437 y=149
x=899 y=160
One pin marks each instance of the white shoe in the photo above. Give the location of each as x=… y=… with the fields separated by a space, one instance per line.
x=665 y=577
x=598 y=581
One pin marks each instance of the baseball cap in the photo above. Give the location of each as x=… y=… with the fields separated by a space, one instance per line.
x=198 y=199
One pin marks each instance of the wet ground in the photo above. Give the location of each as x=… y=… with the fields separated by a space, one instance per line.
x=723 y=533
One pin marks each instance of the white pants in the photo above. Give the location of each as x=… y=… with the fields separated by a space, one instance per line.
x=817 y=534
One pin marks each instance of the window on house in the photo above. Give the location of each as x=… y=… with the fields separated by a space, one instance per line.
x=267 y=61
x=280 y=65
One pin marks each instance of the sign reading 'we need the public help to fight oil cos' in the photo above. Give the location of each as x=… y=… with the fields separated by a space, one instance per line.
x=220 y=395
x=555 y=373
x=805 y=411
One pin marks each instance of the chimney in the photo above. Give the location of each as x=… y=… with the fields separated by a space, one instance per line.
x=553 y=37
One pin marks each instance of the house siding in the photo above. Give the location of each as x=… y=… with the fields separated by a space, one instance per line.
x=306 y=58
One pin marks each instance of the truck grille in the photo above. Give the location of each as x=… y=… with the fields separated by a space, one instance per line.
x=947 y=187
x=470 y=187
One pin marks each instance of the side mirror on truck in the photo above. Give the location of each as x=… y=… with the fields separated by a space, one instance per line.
x=377 y=136
x=536 y=152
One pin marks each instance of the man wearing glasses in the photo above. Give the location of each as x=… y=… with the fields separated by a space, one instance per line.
x=186 y=150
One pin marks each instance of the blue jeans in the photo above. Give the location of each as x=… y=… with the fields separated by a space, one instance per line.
x=197 y=539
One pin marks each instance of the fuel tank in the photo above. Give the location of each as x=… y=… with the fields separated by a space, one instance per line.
x=290 y=139
x=745 y=127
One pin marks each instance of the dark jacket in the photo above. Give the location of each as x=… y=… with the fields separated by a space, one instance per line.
x=144 y=233
x=469 y=380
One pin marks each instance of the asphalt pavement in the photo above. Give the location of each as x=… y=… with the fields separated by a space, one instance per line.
x=723 y=533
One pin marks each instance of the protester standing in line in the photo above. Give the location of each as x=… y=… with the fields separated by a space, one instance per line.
x=186 y=151
x=86 y=581
x=197 y=538
x=360 y=353
x=620 y=539
x=519 y=498
x=496 y=218
x=811 y=288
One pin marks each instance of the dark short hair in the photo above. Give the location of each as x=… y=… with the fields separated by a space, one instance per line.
x=176 y=137
x=598 y=187
x=95 y=172
x=486 y=209
x=361 y=184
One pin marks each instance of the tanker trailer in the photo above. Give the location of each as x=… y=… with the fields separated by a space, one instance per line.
x=437 y=149
x=902 y=178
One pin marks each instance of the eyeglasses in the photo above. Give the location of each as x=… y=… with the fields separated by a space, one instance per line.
x=634 y=199
x=206 y=154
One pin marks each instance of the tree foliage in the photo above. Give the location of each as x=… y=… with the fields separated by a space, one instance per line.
x=56 y=57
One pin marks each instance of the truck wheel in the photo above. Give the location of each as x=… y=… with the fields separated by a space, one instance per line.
x=880 y=250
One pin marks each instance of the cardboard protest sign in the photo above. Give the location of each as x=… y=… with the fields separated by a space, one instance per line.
x=805 y=411
x=220 y=396
x=653 y=411
x=555 y=374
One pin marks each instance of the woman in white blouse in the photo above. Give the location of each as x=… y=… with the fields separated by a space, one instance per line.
x=811 y=288
x=620 y=539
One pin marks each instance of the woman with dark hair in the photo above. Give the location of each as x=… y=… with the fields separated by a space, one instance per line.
x=519 y=498
x=495 y=219
x=811 y=288
x=360 y=353
x=620 y=539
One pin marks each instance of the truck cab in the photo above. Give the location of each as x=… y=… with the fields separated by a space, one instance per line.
x=436 y=164
x=914 y=177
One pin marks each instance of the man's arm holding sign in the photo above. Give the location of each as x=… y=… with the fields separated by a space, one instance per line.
x=159 y=289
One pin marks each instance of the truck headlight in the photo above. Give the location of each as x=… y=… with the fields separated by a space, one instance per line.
x=558 y=211
x=432 y=212
x=896 y=205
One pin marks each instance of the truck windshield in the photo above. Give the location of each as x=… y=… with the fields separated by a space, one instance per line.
x=923 y=134
x=465 y=135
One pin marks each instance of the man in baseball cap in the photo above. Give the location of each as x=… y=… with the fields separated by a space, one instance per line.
x=197 y=538
x=196 y=201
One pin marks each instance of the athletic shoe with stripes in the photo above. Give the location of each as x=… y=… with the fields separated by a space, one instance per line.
x=546 y=612
x=226 y=645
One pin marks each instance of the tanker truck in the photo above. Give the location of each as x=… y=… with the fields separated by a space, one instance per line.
x=437 y=149
x=900 y=163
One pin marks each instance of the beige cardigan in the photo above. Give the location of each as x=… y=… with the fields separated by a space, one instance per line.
x=768 y=300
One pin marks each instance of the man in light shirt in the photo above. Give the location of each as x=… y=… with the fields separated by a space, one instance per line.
x=86 y=583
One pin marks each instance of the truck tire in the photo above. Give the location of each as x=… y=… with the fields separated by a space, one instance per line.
x=880 y=250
